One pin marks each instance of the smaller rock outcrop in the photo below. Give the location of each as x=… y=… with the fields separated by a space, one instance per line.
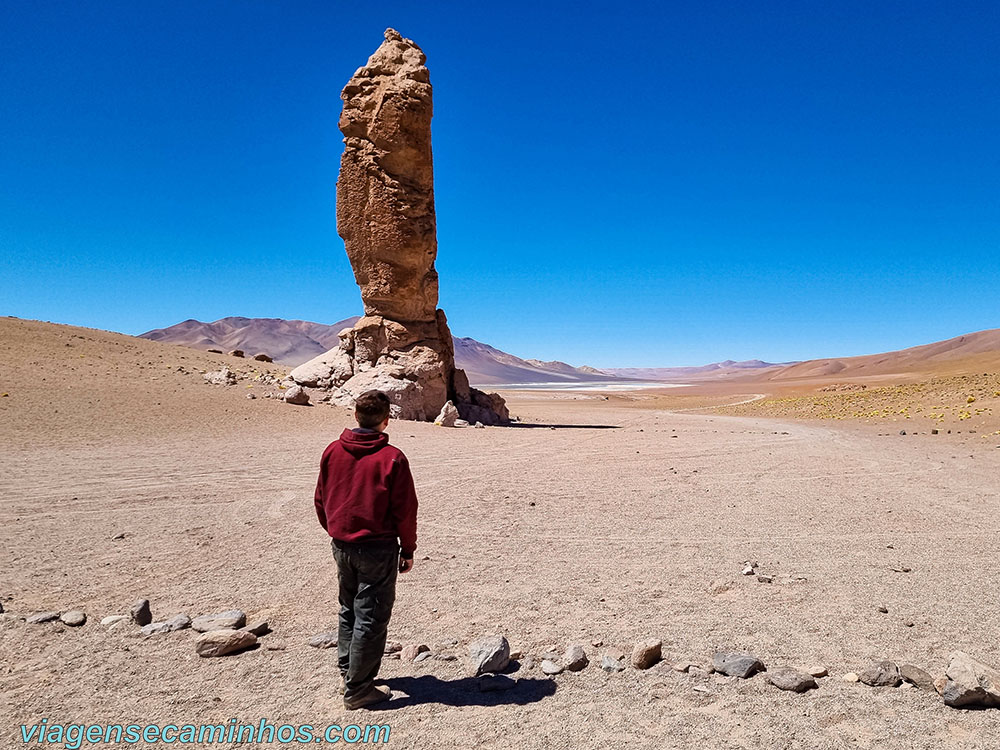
x=969 y=683
x=489 y=654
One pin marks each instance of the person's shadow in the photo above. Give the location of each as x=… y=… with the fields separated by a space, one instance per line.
x=411 y=691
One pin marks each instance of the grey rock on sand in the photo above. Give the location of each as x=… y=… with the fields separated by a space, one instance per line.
x=739 y=665
x=74 y=618
x=258 y=628
x=610 y=664
x=970 y=683
x=786 y=678
x=412 y=651
x=575 y=658
x=326 y=640
x=881 y=674
x=916 y=677
x=448 y=416
x=113 y=620
x=646 y=653
x=549 y=667
x=261 y=357
x=139 y=612
x=231 y=619
x=386 y=217
x=489 y=654
x=177 y=622
x=223 y=642
x=296 y=395
x=40 y=617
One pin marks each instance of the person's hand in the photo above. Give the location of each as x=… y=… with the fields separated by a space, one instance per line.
x=405 y=566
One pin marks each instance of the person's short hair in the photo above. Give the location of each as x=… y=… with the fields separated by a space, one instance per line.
x=371 y=408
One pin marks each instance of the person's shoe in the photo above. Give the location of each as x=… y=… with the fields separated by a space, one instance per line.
x=377 y=694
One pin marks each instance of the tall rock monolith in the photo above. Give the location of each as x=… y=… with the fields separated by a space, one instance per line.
x=385 y=215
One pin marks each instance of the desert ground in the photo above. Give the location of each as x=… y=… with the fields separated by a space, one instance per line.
x=594 y=520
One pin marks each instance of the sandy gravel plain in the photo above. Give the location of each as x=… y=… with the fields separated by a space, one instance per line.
x=629 y=519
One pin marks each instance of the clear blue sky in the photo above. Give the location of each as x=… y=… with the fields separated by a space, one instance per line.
x=618 y=183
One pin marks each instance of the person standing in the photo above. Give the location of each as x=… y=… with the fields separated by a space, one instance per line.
x=366 y=502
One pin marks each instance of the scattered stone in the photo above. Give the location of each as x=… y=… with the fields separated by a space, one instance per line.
x=411 y=652
x=140 y=613
x=549 y=667
x=850 y=677
x=611 y=664
x=445 y=657
x=817 y=670
x=479 y=426
x=215 y=351
x=236 y=353
x=273 y=645
x=686 y=666
x=296 y=395
x=970 y=683
x=575 y=658
x=902 y=432
x=492 y=683
x=40 y=617
x=392 y=647
x=251 y=396
x=261 y=357
x=74 y=618
x=489 y=654
x=748 y=570
x=916 y=676
x=113 y=620
x=224 y=376
x=935 y=432
x=761 y=578
x=224 y=642
x=327 y=640
x=883 y=609
x=178 y=622
x=739 y=665
x=786 y=678
x=448 y=416
x=908 y=623
x=422 y=656
x=597 y=643
x=881 y=674
x=231 y=619
x=118 y=537
x=258 y=628
x=646 y=653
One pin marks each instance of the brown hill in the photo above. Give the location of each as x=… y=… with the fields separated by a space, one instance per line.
x=972 y=352
x=290 y=342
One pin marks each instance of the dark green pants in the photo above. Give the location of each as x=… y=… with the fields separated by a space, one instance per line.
x=367 y=575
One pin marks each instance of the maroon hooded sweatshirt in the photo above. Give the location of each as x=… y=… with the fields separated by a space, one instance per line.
x=365 y=491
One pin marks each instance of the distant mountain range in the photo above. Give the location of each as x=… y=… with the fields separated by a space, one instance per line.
x=292 y=342
x=724 y=369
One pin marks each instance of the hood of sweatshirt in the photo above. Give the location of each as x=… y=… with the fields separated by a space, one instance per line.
x=362 y=443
